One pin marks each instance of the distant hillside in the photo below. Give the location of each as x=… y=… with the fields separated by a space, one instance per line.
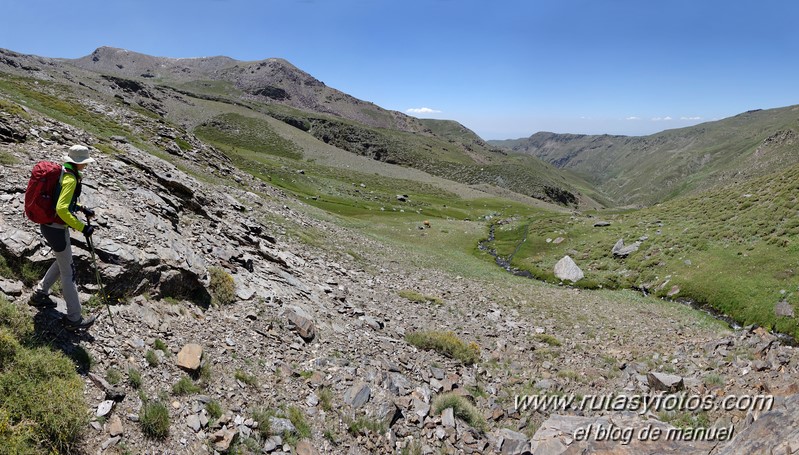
x=649 y=169
x=233 y=106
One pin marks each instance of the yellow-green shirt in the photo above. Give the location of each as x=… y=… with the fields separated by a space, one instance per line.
x=68 y=185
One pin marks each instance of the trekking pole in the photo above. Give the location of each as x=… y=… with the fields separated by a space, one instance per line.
x=99 y=281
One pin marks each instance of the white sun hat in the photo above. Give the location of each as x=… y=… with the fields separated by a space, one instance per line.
x=78 y=154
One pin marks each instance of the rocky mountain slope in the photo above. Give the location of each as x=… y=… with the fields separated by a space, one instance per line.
x=272 y=80
x=649 y=169
x=312 y=345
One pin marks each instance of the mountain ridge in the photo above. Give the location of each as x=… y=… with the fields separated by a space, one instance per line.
x=650 y=169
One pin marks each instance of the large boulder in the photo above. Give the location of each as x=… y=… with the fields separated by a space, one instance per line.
x=567 y=270
x=776 y=431
x=621 y=251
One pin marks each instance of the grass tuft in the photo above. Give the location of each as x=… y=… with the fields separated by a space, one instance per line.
x=446 y=343
x=154 y=419
x=185 y=386
x=417 y=297
x=461 y=407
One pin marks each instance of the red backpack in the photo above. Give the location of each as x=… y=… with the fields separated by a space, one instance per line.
x=42 y=193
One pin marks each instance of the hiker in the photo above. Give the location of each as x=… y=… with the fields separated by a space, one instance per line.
x=57 y=236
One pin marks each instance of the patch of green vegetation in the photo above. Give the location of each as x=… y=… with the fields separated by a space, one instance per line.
x=214 y=409
x=205 y=373
x=32 y=273
x=461 y=408
x=730 y=249
x=569 y=374
x=183 y=144
x=547 y=338
x=59 y=102
x=5 y=269
x=246 y=378
x=160 y=345
x=6 y=158
x=41 y=396
x=222 y=286
x=134 y=378
x=300 y=422
x=151 y=358
x=263 y=416
x=82 y=358
x=363 y=424
x=446 y=343
x=13 y=109
x=417 y=297
x=306 y=374
x=713 y=380
x=113 y=376
x=236 y=133
x=685 y=420
x=325 y=398
x=185 y=386
x=154 y=419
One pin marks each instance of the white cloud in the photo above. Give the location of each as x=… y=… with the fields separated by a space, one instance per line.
x=422 y=110
x=690 y=118
x=633 y=118
x=658 y=119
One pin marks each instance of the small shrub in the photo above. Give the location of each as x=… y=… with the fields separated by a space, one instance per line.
x=363 y=424
x=82 y=358
x=134 y=378
x=417 y=297
x=461 y=407
x=205 y=373
x=330 y=435
x=214 y=409
x=548 y=339
x=326 y=398
x=306 y=374
x=246 y=378
x=184 y=386
x=151 y=358
x=19 y=323
x=222 y=287
x=161 y=346
x=154 y=419
x=299 y=421
x=9 y=346
x=714 y=380
x=262 y=416
x=5 y=270
x=31 y=273
x=113 y=376
x=446 y=343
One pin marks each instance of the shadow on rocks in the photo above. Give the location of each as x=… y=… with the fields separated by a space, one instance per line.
x=49 y=331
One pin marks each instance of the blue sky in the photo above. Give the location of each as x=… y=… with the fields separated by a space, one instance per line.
x=503 y=68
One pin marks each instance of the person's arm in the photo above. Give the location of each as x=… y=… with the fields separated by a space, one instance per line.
x=68 y=185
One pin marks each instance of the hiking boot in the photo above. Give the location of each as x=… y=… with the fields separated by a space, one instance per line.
x=41 y=300
x=83 y=323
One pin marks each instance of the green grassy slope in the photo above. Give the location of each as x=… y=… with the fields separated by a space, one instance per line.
x=733 y=248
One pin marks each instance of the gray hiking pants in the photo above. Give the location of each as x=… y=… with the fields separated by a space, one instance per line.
x=58 y=239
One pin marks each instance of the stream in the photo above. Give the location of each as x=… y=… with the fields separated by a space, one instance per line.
x=505 y=263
